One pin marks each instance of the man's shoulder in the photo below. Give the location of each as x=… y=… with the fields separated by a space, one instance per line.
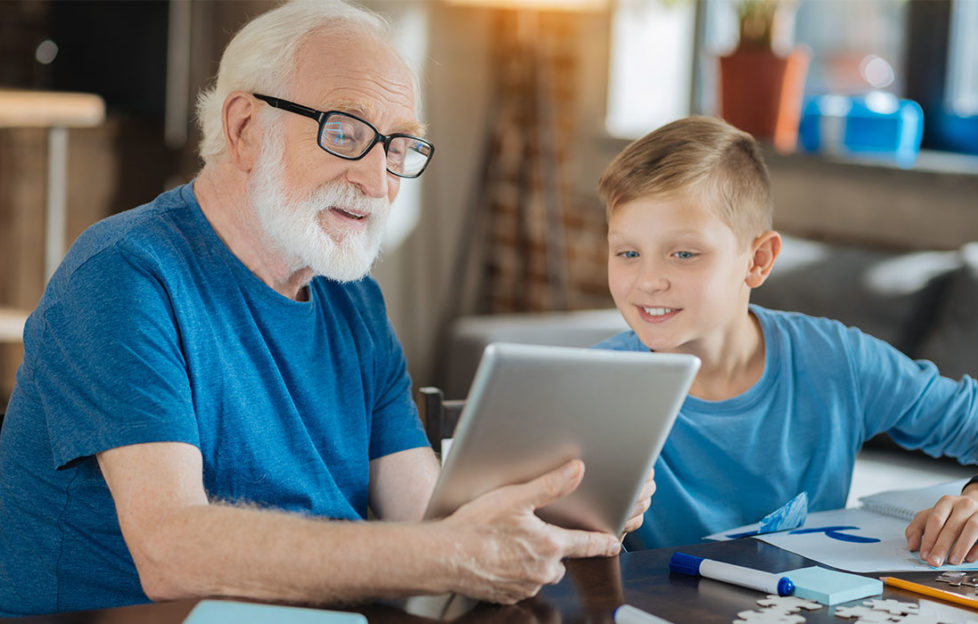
x=141 y=228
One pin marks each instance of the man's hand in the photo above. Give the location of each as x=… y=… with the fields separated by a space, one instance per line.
x=642 y=504
x=952 y=522
x=505 y=553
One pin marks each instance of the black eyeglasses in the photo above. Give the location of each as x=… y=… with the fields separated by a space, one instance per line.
x=349 y=137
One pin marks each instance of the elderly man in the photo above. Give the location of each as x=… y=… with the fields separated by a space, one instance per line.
x=211 y=386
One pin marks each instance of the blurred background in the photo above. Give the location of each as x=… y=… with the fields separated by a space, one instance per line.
x=869 y=118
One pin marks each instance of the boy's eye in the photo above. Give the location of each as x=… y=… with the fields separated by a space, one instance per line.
x=628 y=254
x=684 y=255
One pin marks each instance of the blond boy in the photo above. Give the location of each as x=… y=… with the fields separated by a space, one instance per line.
x=783 y=401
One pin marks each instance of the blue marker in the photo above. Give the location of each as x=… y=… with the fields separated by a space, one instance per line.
x=730 y=573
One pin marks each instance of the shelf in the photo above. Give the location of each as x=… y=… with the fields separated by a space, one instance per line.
x=44 y=109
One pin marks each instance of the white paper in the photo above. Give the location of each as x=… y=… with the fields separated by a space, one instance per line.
x=843 y=548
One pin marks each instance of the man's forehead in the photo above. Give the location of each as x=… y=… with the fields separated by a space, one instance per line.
x=356 y=72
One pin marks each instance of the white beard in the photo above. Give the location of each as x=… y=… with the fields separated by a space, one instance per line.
x=292 y=224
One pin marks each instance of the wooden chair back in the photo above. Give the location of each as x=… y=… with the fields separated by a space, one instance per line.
x=438 y=414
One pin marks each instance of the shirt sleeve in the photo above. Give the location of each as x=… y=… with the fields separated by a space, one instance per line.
x=911 y=401
x=108 y=364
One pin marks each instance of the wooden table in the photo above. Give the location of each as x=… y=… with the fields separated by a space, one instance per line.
x=589 y=593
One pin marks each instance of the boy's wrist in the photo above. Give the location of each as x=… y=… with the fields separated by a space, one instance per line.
x=970 y=487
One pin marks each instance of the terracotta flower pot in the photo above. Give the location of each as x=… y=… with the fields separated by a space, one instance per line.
x=761 y=93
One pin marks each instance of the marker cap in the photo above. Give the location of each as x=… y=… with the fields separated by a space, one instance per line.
x=688 y=564
x=785 y=586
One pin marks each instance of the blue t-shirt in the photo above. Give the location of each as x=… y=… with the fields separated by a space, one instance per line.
x=825 y=390
x=152 y=330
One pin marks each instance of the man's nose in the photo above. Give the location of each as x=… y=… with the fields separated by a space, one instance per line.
x=370 y=172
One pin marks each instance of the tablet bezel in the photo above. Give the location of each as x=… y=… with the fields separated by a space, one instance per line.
x=531 y=408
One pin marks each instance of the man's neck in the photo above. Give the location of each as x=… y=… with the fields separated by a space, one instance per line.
x=223 y=196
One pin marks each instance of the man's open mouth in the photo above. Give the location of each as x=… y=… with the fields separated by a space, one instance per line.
x=356 y=216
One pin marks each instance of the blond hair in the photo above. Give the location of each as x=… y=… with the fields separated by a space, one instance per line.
x=700 y=156
x=262 y=57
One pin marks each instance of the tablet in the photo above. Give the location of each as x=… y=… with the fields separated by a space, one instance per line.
x=532 y=408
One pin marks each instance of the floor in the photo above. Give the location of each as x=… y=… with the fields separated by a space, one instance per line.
x=878 y=470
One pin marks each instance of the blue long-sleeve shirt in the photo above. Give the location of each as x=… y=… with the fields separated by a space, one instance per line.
x=825 y=390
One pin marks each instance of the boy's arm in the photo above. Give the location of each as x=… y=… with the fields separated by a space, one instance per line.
x=948 y=530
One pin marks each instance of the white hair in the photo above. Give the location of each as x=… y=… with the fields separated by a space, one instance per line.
x=261 y=57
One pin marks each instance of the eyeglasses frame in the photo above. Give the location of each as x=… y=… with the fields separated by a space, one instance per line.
x=321 y=116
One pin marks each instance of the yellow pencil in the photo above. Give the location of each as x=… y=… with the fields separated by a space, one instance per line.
x=933 y=592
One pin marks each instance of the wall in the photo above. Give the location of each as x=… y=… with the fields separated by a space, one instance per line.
x=828 y=200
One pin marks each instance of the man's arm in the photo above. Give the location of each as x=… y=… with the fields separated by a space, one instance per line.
x=401 y=484
x=494 y=548
x=948 y=530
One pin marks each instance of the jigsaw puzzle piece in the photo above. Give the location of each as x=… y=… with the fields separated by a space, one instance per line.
x=768 y=616
x=788 y=604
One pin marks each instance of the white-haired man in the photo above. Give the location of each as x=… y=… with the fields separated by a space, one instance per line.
x=211 y=385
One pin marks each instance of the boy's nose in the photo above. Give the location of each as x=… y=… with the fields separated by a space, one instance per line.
x=653 y=282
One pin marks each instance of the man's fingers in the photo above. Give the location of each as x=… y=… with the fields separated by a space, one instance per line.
x=547 y=488
x=588 y=543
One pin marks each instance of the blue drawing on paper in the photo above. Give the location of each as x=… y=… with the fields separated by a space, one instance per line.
x=836 y=533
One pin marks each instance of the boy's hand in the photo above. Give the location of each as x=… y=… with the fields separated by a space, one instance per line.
x=504 y=553
x=642 y=504
x=952 y=522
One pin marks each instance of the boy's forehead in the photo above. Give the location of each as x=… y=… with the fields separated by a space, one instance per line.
x=677 y=212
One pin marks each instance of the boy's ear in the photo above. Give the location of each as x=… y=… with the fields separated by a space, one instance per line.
x=242 y=133
x=765 y=248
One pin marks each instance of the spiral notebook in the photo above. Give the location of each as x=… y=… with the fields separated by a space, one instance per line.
x=904 y=504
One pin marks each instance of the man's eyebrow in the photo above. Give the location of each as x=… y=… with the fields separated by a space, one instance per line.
x=367 y=111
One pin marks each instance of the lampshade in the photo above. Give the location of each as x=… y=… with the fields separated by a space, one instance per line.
x=539 y=5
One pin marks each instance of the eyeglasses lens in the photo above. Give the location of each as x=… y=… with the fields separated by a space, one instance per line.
x=349 y=137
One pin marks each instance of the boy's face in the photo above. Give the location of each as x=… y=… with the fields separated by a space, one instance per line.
x=677 y=273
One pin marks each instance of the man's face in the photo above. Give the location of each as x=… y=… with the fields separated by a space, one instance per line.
x=677 y=273
x=294 y=224
x=312 y=203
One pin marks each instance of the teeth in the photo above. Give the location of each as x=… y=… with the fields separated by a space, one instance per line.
x=350 y=214
x=657 y=311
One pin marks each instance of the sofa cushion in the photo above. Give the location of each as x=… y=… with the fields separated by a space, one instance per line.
x=952 y=342
x=890 y=295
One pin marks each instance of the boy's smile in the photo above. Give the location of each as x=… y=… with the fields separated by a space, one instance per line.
x=678 y=275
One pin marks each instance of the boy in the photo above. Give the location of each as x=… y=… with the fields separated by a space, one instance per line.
x=782 y=402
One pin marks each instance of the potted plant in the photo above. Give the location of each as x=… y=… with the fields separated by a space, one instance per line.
x=760 y=88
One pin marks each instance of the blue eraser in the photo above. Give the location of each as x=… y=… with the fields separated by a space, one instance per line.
x=831 y=587
x=223 y=611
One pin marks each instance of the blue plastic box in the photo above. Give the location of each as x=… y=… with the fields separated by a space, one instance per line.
x=877 y=125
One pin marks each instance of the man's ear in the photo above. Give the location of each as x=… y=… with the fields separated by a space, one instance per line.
x=242 y=132
x=765 y=249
